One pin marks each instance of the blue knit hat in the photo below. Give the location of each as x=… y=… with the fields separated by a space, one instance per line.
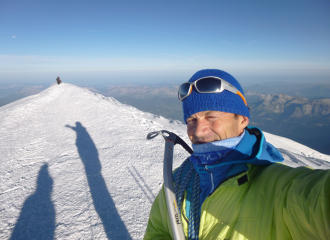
x=225 y=101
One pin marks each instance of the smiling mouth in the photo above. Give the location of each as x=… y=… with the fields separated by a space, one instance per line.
x=202 y=142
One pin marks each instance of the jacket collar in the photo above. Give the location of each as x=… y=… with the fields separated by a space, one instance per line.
x=252 y=149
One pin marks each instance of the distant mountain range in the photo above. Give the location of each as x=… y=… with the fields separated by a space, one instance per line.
x=290 y=105
x=308 y=90
x=160 y=100
x=12 y=93
x=302 y=119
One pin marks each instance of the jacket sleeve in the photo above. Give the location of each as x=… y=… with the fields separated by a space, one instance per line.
x=296 y=200
x=159 y=226
x=307 y=209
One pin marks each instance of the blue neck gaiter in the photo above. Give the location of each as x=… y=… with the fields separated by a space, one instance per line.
x=208 y=154
x=213 y=152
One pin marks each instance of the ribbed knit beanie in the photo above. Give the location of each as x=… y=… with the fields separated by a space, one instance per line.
x=225 y=101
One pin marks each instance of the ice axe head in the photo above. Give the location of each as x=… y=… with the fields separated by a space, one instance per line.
x=166 y=135
x=170 y=136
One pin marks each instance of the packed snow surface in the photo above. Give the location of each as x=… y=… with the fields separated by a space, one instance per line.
x=77 y=165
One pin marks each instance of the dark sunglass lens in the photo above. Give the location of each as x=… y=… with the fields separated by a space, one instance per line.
x=208 y=85
x=184 y=90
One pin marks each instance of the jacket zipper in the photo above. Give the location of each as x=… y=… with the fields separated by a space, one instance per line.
x=211 y=179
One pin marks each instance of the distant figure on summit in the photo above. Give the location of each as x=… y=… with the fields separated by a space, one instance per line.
x=58 y=80
x=234 y=185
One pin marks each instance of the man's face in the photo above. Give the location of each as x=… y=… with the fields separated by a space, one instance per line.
x=210 y=126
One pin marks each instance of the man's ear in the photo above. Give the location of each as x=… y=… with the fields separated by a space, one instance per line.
x=245 y=121
x=242 y=122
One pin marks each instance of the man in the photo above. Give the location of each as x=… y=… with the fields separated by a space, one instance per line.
x=58 y=80
x=232 y=186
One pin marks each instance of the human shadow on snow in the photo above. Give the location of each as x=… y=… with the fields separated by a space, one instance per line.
x=103 y=203
x=37 y=217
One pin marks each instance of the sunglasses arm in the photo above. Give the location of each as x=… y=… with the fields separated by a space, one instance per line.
x=232 y=89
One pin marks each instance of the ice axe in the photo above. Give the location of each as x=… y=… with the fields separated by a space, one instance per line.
x=170 y=140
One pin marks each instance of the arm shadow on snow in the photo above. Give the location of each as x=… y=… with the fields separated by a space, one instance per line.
x=37 y=217
x=144 y=187
x=296 y=160
x=103 y=203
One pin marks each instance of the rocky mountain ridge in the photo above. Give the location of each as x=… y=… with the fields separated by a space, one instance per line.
x=304 y=120
x=292 y=106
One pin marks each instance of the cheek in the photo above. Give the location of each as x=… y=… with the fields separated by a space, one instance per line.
x=218 y=128
x=224 y=129
x=228 y=130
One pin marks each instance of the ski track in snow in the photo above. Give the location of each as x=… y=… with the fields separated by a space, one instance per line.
x=84 y=160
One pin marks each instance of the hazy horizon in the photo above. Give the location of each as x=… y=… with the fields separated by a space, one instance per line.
x=163 y=78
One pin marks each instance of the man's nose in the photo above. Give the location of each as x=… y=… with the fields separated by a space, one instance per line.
x=201 y=127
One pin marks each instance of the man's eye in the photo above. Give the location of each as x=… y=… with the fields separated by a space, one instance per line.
x=191 y=120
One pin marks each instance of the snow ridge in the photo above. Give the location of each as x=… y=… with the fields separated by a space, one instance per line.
x=83 y=159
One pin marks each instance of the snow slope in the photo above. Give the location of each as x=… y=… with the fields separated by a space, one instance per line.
x=77 y=165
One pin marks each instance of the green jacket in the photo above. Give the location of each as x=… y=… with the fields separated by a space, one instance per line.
x=265 y=202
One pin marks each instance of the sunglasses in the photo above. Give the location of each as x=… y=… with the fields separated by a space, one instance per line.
x=208 y=85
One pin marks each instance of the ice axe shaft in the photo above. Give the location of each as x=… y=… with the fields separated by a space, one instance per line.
x=170 y=140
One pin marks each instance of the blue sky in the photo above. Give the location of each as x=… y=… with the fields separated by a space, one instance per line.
x=153 y=41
